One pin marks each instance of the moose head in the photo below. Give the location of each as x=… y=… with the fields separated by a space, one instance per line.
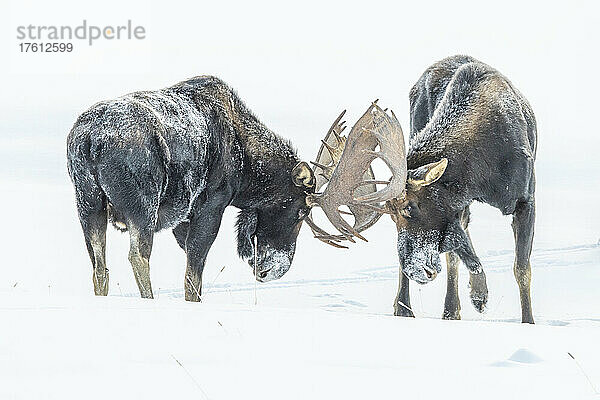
x=266 y=235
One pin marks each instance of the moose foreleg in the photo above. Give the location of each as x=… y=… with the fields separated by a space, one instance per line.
x=479 y=290
x=478 y=285
x=452 y=302
x=523 y=227
x=459 y=241
x=203 y=228
x=402 y=303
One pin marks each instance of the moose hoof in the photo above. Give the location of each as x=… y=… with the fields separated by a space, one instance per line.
x=479 y=301
x=451 y=314
x=101 y=292
x=403 y=311
x=479 y=304
x=527 y=319
x=193 y=297
x=101 y=285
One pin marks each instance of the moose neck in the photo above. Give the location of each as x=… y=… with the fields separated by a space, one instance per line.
x=450 y=139
x=266 y=163
x=428 y=146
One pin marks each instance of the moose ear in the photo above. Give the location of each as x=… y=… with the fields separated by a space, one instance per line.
x=303 y=175
x=427 y=174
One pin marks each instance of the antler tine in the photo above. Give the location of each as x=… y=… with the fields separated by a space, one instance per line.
x=323 y=236
x=333 y=148
x=334 y=244
x=337 y=125
x=337 y=132
x=317 y=164
x=372 y=182
x=340 y=223
x=380 y=210
x=328 y=147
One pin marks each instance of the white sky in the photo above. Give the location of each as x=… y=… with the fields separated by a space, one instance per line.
x=297 y=65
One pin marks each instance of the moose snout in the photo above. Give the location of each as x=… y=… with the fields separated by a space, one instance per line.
x=262 y=275
x=430 y=273
x=270 y=265
x=421 y=267
x=259 y=271
x=423 y=275
x=432 y=267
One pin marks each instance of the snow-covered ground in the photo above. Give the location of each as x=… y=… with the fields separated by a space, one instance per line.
x=323 y=331
x=128 y=348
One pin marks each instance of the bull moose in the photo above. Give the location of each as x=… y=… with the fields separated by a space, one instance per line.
x=472 y=138
x=175 y=158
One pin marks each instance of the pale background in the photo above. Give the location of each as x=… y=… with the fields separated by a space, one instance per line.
x=325 y=329
x=296 y=65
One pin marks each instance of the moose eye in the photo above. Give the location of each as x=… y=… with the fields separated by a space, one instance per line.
x=406 y=211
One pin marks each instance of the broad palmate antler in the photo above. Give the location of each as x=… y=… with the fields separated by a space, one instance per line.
x=344 y=164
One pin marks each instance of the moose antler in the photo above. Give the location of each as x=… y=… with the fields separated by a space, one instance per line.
x=388 y=132
x=347 y=180
x=327 y=159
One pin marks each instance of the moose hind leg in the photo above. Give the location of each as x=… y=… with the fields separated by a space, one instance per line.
x=523 y=227
x=452 y=302
x=91 y=206
x=402 y=303
x=140 y=247
x=96 y=244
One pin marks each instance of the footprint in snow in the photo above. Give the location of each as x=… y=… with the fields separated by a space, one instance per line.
x=556 y=322
x=354 y=303
x=334 y=306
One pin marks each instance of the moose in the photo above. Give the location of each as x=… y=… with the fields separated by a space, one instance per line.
x=175 y=158
x=472 y=138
